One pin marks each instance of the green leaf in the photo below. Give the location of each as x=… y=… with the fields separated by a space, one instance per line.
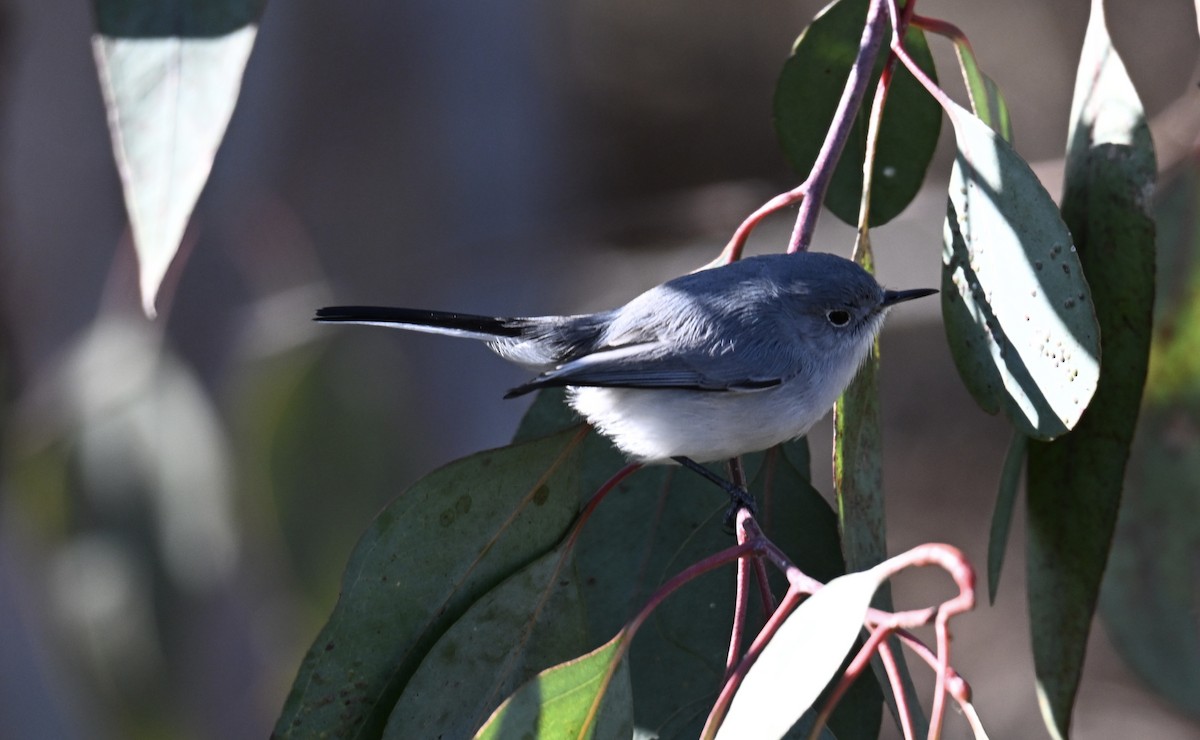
x=858 y=471
x=1017 y=309
x=1006 y=499
x=560 y=701
x=530 y=622
x=858 y=478
x=169 y=97
x=428 y=556
x=1075 y=482
x=803 y=656
x=986 y=99
x=1152 y=576
x=177 y=18
x=806 y=97
x=660 y=520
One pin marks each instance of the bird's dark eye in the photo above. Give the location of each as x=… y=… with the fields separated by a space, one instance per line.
x=838 y=317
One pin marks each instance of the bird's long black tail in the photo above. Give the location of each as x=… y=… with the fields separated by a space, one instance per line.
x=414 y=319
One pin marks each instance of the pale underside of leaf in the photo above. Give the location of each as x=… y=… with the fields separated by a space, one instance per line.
x=169 y=101
x=798 y=662
x=1018 y=309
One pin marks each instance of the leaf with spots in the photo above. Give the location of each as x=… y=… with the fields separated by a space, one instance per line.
x=1017 y=308
x=436 y=550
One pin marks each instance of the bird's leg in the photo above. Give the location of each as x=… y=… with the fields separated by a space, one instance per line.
x=739 y=496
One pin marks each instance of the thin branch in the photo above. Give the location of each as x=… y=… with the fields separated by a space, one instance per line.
x=733 y=250
x=721 y=706
x=902 y=54
x=843 y=122
x=741 y=600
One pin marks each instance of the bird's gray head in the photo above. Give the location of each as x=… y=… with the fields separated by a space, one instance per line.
x=834 y=303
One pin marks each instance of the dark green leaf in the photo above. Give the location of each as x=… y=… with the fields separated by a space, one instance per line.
x=530 y=622
x=1006 y=499
x=174 y=18
x=560 y=701
x=1075 y=482
x=659 y=521
x=807 y=95
x=427 y=557
x=858 y=478
x=1017 y=308
x=1151 y=587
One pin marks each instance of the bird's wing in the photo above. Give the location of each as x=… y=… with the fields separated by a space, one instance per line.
x=641 y=366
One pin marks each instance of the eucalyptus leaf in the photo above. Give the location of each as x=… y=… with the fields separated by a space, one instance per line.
x=656 y=523
x=1153 y=576
x=560 y=702
x=1017 y=308
x=858 y=479
x=806 y=97
x=530 y=622
x=175 y=18
x=986 y=99
x=802 y=657
x=170 y=82
x=431 y=554
x=1006 y=501
x=1075 y=483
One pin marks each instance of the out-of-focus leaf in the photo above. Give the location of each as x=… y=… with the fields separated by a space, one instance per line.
x=807 y=95
x=1075 y=482
x=180 y=18
x=530 y=622
x=1006 y=499
x=660 y=520
x=802 y=657
x=1017 y=309
x=170 y=74
x=426 y=559
x=1153 y=576
x=559 y=702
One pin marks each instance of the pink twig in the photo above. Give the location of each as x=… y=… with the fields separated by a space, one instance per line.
x=902 y=54
x=841 y=126
x=892 y=668
x=740 y=601
x=733 y=250
x=764 y=586
x=721 y=706
x=601 y=492
x=811 y=192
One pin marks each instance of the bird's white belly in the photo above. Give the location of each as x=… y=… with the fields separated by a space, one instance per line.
x=654 y=425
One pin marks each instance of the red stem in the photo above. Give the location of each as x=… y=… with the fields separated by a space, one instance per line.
x=843 y=122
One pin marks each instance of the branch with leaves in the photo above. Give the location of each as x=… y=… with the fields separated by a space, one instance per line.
x=486 y=578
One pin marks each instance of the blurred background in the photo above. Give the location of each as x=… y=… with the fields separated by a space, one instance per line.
x=178 y=498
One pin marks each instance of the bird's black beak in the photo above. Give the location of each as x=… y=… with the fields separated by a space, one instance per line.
x=892 y=297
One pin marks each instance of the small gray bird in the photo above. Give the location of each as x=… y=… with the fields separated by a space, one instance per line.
x=704 y=367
